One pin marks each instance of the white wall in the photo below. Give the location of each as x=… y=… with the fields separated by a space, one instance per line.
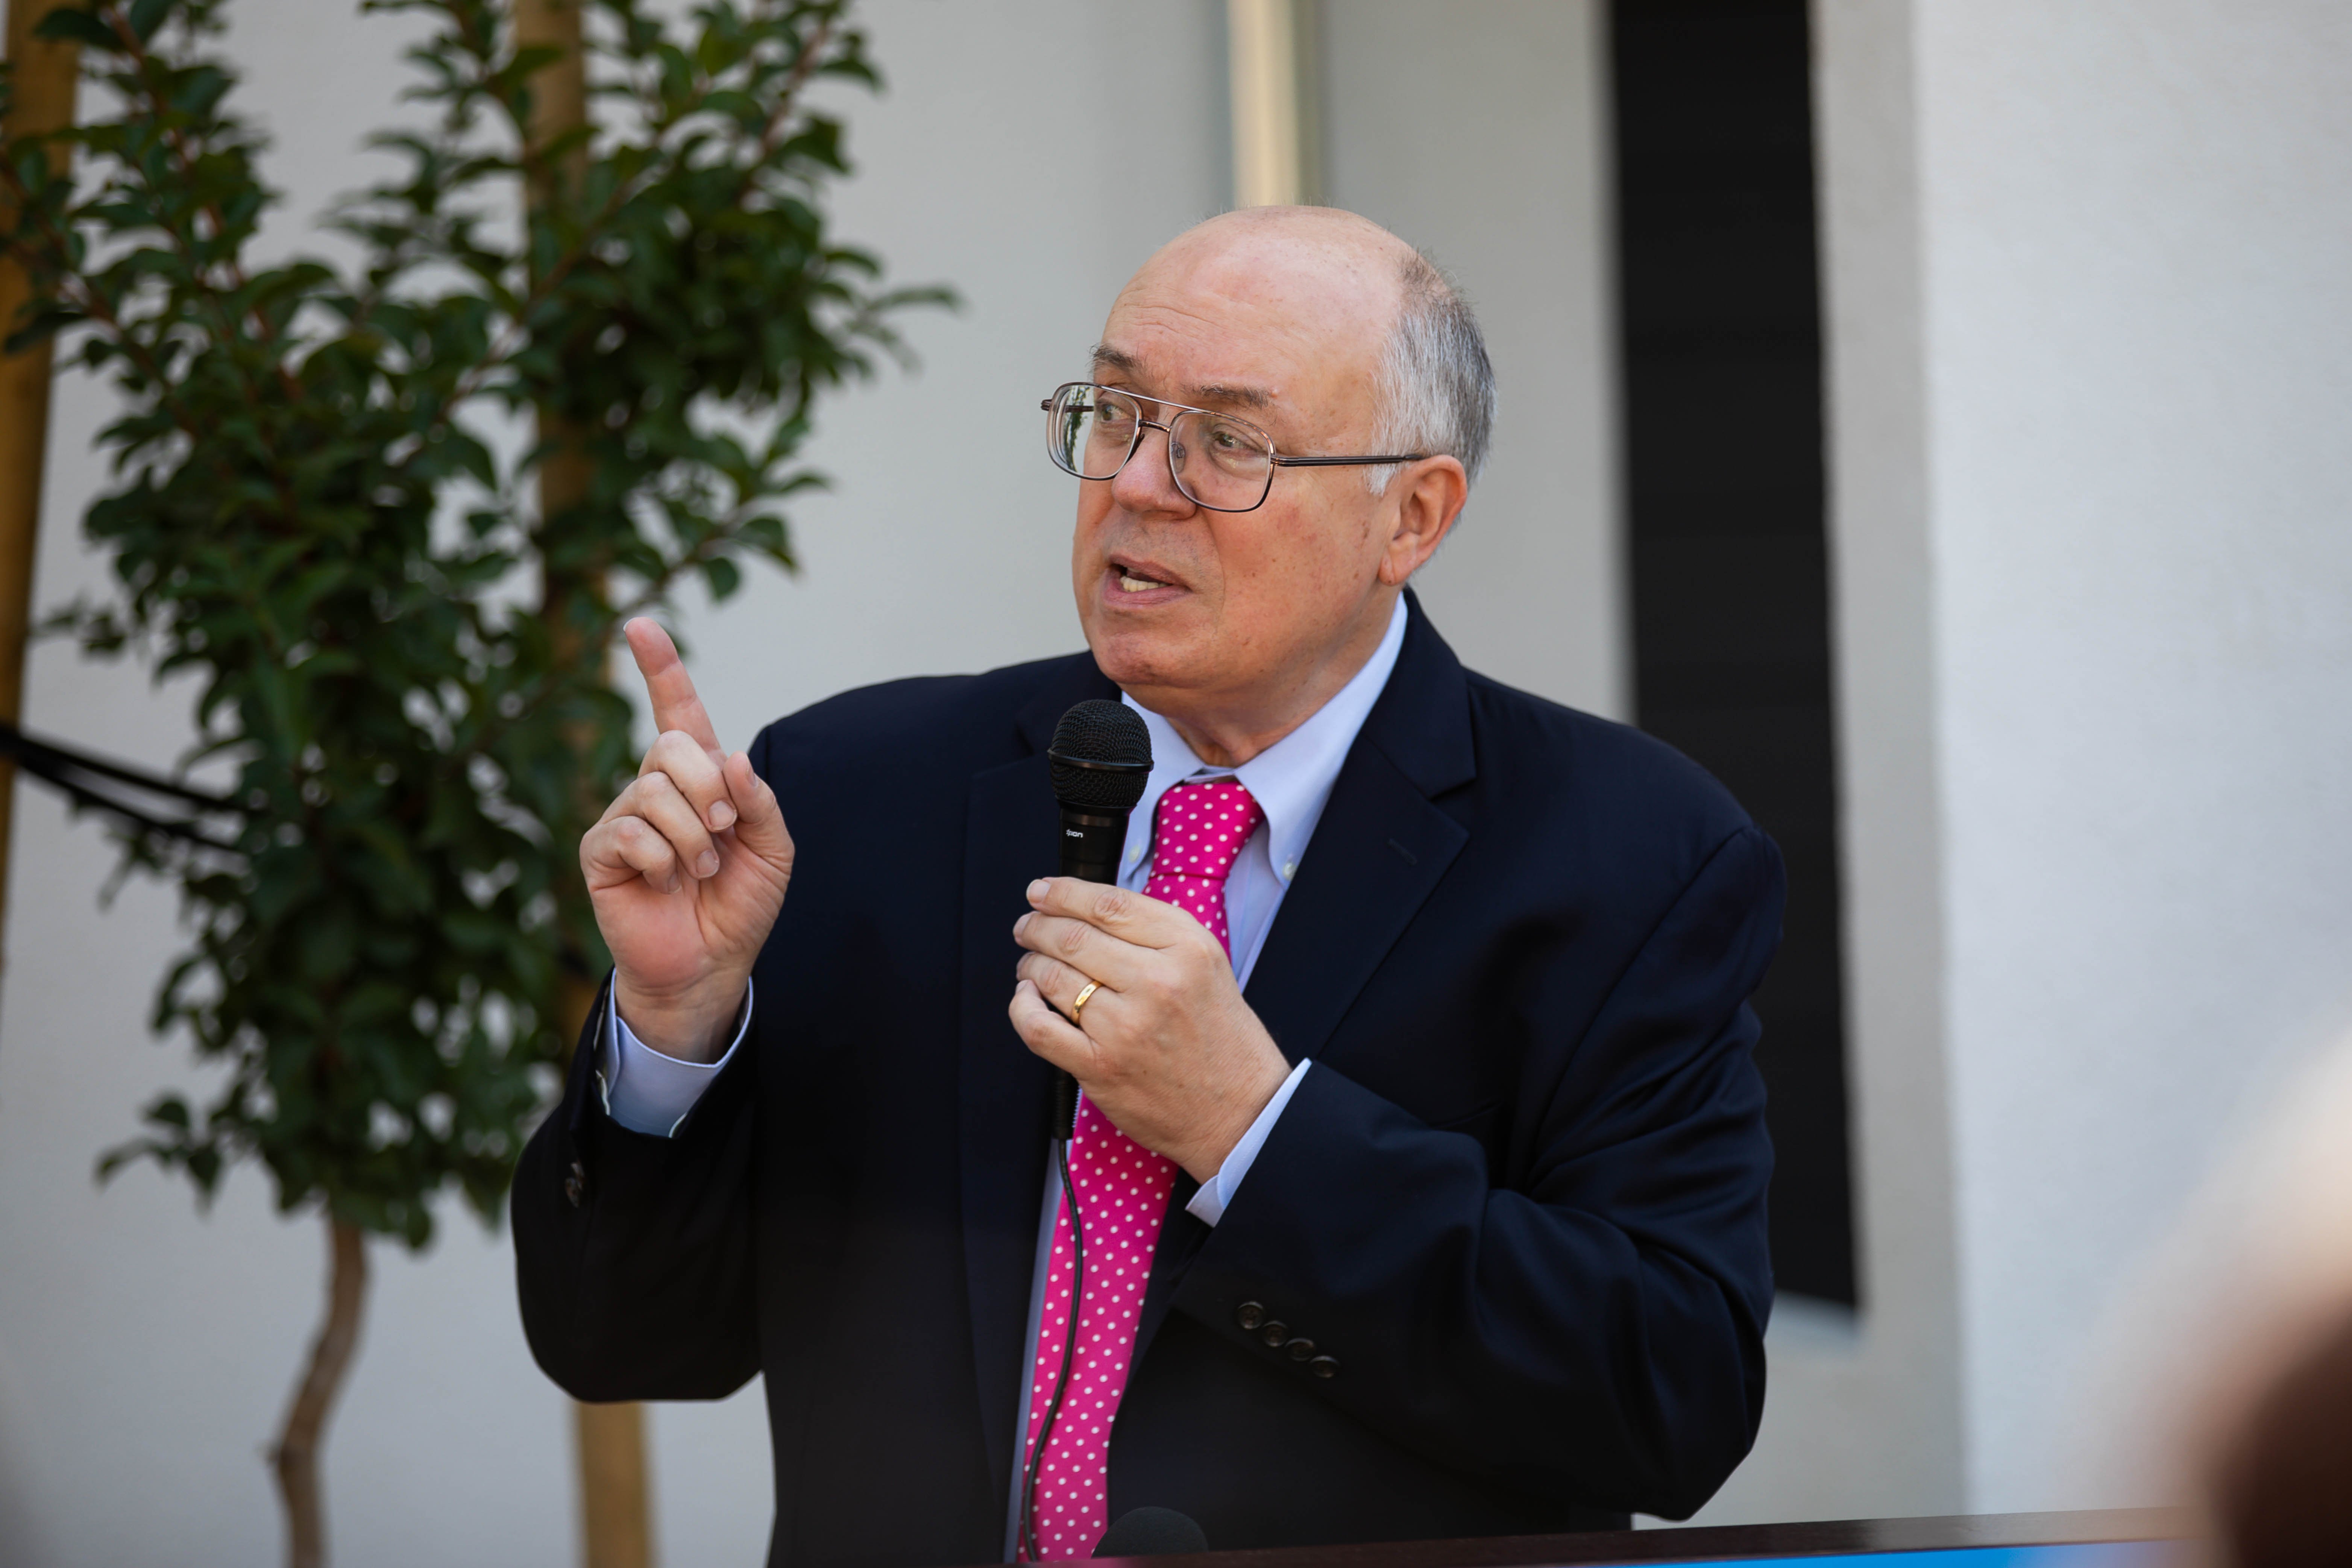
x=1478 y=130
x=2090 y=322
x=2139 y=334
x=945 y=545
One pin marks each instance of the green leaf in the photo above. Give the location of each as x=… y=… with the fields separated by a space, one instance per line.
x=147 y=16
x=76 y=25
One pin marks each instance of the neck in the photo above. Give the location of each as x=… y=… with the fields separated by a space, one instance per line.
x=1228 y=728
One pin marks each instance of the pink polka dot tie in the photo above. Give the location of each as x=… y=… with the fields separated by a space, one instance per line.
x=1123 y=1191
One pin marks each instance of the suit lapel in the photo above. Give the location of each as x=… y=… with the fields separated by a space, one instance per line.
x=1009 y=837
x=1378 y=850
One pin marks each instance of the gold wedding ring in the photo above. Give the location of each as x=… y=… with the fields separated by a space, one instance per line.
x=1075 y=1007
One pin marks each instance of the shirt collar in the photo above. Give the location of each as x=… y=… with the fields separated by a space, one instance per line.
x=1291 y=779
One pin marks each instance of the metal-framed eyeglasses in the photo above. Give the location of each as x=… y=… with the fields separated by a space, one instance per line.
x=1221 y=463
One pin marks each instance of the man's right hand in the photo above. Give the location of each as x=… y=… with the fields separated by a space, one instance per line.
x=687 y=870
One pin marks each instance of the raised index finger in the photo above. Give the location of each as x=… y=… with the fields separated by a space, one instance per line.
x=677 y=705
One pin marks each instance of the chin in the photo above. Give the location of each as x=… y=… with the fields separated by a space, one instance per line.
x=1136 y=657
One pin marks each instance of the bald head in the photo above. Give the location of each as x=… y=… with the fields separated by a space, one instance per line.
x=1306 y=274
x=1363 y=299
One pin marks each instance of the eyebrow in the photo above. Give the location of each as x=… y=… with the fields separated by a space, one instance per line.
x=1215 y=392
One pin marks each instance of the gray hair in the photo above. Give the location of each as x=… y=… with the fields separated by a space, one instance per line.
x=1437 y=387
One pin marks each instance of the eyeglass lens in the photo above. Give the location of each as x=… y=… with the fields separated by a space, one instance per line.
x=1220 y=463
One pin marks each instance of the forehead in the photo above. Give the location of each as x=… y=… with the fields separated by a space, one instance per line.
x=1274 y=327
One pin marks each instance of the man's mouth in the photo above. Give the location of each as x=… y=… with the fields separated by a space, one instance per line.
x=1136 y=579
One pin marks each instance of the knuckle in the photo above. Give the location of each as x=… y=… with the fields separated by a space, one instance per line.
x=642 y=836
x=1113 y=903
x=672 y=749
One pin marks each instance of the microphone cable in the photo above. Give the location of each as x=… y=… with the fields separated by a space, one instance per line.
x=1101 y=759
x=1069 y=1349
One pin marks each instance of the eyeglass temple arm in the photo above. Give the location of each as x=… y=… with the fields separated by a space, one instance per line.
x=1047 y=406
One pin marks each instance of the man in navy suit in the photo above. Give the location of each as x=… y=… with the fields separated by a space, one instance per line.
x=1422 y=1167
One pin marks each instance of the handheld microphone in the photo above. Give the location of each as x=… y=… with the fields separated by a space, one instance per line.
x=1102 y=759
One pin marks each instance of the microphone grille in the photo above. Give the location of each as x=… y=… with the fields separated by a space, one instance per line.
x=1101 y=756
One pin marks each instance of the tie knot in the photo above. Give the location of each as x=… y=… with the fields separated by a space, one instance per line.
x=1201 y=826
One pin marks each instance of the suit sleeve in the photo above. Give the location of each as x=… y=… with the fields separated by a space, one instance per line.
x=1591 y=1331
x=633 y=1253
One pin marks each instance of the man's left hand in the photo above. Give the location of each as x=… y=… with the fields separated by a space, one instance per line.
x=1169 y=1049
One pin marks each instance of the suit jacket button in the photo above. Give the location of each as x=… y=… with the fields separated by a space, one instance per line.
x=1249 y=1314
x=576 y=1182
x=1300 y=1349
x=1273 y=1334
x=1323 y=1366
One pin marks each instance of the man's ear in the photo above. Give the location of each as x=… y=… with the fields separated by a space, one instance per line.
x=1429 y=496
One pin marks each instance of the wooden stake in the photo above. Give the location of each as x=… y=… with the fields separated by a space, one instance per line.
x=615 y=1490
x=45 y=78
x=615 y=1515
x=615 y=1498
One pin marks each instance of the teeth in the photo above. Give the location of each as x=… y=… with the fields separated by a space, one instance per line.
x=1129 y=582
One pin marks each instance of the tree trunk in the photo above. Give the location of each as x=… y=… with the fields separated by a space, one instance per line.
x=45 y=75
x=616 y=1500
x=296 y=1457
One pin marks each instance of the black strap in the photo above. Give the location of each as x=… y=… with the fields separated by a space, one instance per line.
x=114 y=788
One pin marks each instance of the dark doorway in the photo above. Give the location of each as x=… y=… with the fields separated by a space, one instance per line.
x=1721 y=343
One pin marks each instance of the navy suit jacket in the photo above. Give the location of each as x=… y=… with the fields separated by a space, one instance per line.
x=1520 y=1200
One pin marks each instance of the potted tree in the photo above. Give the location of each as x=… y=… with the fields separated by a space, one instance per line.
x=399 y=625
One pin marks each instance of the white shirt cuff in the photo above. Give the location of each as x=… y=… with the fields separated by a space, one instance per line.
x=647 y=1092
x=1208 y=1204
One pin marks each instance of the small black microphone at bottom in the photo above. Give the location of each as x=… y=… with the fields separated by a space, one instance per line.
x=1151 y=1532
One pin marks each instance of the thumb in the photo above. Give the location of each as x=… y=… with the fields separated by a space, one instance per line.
x=759 y=818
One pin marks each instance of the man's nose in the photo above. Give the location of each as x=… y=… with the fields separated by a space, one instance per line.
x=1147 y=485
